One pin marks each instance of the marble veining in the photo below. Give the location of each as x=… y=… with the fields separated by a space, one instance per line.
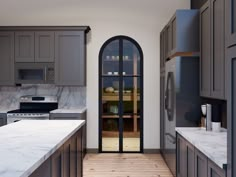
x=68 y=97
x=28 y=143
x=70 y=110
x=212 y=144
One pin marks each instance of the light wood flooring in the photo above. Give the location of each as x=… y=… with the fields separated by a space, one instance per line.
x=129 y=144
x=125 y=165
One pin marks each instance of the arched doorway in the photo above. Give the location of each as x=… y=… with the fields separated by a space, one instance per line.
x=121 y=96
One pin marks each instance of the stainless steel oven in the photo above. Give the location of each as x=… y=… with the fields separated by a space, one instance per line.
x=34 y=73
x=33 y=108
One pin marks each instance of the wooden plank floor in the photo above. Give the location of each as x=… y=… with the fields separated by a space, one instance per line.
x=125 y=165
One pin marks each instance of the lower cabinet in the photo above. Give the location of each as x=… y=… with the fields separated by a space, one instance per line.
x=200 y=164
x=67 y=161
x=3 y=119
x=192 y=163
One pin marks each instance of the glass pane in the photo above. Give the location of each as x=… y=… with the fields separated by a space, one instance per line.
x=110 y=58
x=131 y=59
x=131 y=114
x=110 y=114
x=30 y=74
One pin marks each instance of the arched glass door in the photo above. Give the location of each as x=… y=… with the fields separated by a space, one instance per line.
x=121 y=96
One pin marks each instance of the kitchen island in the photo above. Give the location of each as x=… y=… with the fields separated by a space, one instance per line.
x=46 y=148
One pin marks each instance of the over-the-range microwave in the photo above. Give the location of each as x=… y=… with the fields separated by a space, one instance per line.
x=34 y=73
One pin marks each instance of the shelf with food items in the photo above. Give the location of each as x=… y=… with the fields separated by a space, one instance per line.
x=117 y=58
x=107 y=116
x=116 y=74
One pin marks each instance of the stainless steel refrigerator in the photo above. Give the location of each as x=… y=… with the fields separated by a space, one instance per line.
x=181 y=102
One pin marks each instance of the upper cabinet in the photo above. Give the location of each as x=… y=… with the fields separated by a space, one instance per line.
x=6 y=58
x=70 y=62
x=44 y=46
x=230 y=10
x=24 y=46
x=34 y=46
x=162 y=51
x=212 y=49
x=181 y=34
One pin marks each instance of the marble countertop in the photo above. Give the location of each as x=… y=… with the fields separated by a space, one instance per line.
x=212 y=144
x=70 y=110
x=26 y=144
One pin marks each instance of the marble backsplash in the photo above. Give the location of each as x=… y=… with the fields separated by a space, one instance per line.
x=68 y=97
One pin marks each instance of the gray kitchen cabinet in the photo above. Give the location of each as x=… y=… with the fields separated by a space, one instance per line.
x=24 y=46
x=74 y=116
x=231 y=110
x=7 y=58
x=181 y=157
x=57 y=169
x=214 y=171
x=44 y=170
x=3 y=119
x=162 y=51
x=230 y=11
x=212 y=53
x=44 y=46
x=190 y=160
x=205 y=55
x=183 y=33
x=200 y=164
x=70 y=65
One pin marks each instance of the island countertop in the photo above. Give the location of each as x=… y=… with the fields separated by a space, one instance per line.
x=26 y=144
x=212 y=144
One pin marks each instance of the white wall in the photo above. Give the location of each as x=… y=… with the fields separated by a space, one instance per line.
x=141 y=20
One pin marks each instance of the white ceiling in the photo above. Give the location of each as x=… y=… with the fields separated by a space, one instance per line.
x=42 y=9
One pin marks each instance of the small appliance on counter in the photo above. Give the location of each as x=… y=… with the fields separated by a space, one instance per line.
x=33 y=108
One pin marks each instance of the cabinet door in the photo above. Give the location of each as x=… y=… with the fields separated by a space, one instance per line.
x=205 y=56
x=217 y=49
x=79 y=154
x=230 y=22
x=169 y=40
x=73 y=157
x=173 y=35
x=66 y=158
x=43 y=171
x=70 y=58
x=231 y=109
x=162 y=48
x=6 y=58
x=215 y=171
x=57 y=163
x=200 y=164
x=24 y=46
x=181 y=157
x=190 y=160
x=3 y=119
x=44 y=46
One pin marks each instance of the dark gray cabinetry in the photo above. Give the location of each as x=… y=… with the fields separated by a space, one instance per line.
x=181 y=157
x=57 y=163
x=3 y=119
x=192 y=163
x=70 y=58
x=185 y=158
x=44 y=46
x=6 y=58
x=67 y=161
x=181 y=34
x=162 y=51
x=214 y=171
x=24 y=46
x=230 y=11
x=74 y=116
x=33 y=46
x=190 y=160
x=231 y=110
x=200 y=164
x=212 y=49
x=205 y=56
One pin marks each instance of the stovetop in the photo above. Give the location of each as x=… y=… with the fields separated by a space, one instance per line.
x=22 y=111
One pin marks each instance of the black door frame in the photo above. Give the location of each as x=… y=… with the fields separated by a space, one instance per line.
x=120 y=38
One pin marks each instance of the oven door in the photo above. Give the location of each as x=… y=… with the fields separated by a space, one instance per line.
x=34 y=73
